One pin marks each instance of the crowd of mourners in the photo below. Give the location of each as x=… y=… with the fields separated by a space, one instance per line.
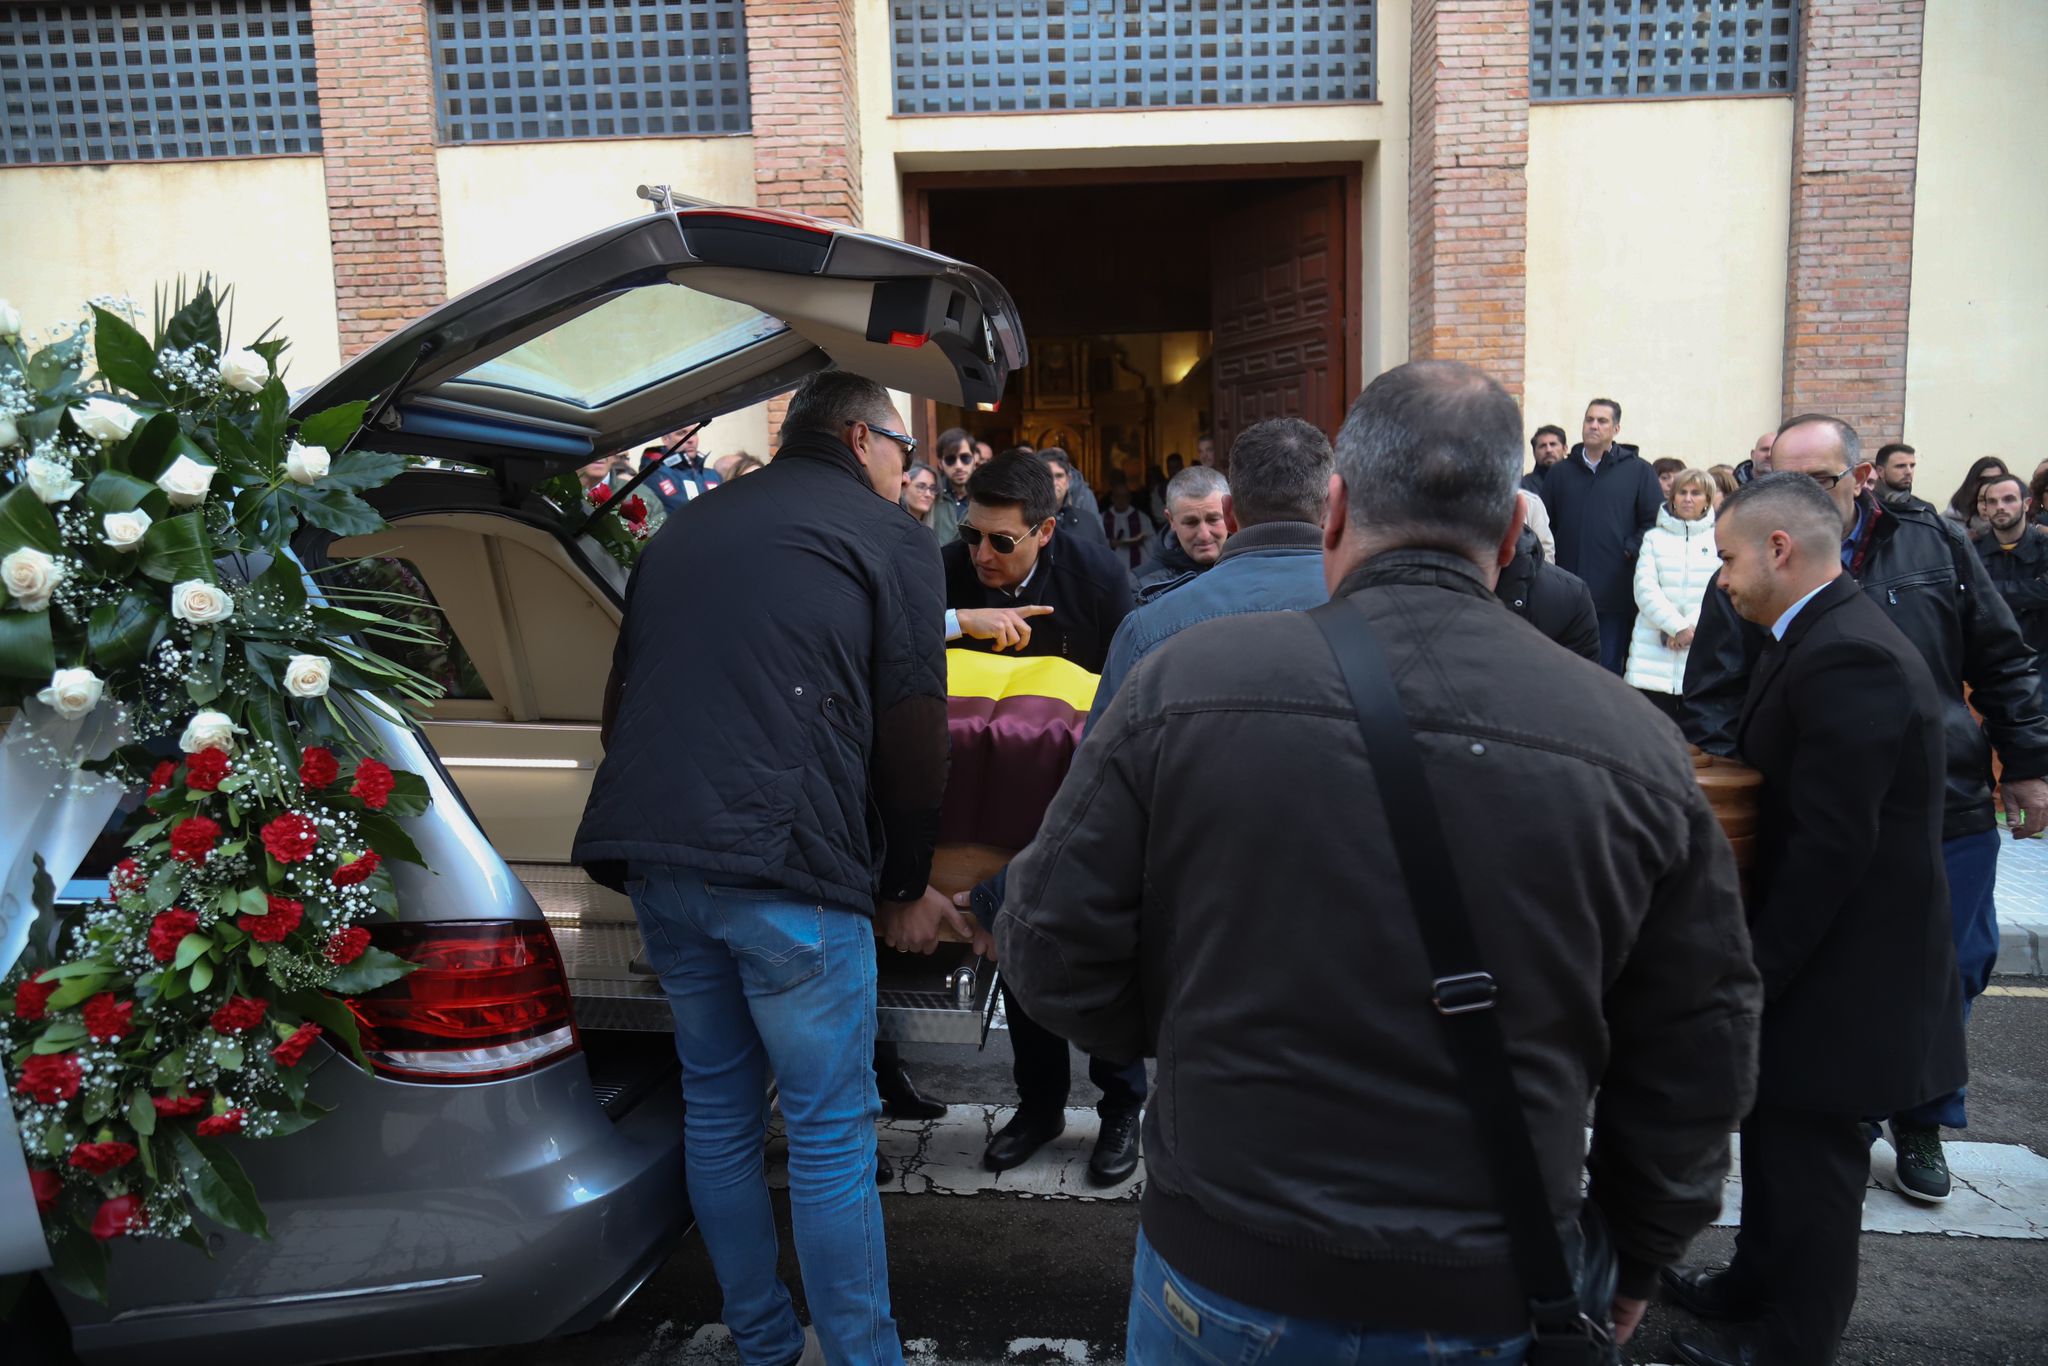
x=1294 y=864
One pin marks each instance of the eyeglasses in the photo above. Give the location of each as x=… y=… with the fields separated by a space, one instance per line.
x=908 y=443
x=965 y=457
x=1828 y=481
x=973 y=536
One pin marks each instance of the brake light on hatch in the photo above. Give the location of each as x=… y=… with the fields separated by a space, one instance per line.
x=486 y=1000
x=913 y=340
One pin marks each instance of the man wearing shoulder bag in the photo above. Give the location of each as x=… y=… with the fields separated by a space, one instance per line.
x=1378 y=1035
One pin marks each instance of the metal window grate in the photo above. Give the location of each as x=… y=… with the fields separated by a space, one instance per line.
x=1661 y=49
x=143 y=82
x=507 y=70
x=994 y=56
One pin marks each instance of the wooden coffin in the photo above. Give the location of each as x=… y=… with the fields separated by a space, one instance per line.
x=1732 y=790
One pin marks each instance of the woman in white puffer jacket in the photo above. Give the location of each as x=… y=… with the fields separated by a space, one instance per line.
x=1674 y=569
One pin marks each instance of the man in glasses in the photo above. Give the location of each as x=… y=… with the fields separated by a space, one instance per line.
x=955 y=457
x=1920 y=570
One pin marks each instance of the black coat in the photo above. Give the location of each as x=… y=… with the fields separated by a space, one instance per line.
x=1167 y=566
x=2021 y=577
x=1597 y=519
x=1087 y=587
x=1863 y=1012
x=782 y=673
x=1552 y=600
x=1916 y=566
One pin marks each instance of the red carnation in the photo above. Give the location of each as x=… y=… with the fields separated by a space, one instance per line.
x=107 y=1018
x=126 y=879
x=32 y=998
x=238 y=1013
x=204 y=770
x=345 y=946
x=349 y=874
x=291 y=837
x=117 y=1216
x=47 y=1078
x=293 y=1049
x=373 y=783
x=635 y=511
x=193 y=838
x=101 y=1158
x=168 y=930
x=161 y=778
x=271 y=928
x=318 y=767
x=219 y=1126
x=47 y=1185
x=180 y=1107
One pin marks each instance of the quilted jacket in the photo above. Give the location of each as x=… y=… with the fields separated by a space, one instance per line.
x=1674 y=569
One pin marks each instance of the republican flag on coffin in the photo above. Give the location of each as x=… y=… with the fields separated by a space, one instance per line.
x=1015 y=724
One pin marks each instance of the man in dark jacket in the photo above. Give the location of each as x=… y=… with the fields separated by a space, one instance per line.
x=1078 y=516
x=1194 y=535
x=1313 y=1171
x=2015 y=554
x=1552 y=600
x=1602 y=498
x=1916 y=566
x=1862 y=1009
x=1546 y=448
x=762 y=829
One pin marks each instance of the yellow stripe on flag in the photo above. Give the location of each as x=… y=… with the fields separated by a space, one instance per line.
x=979 y=673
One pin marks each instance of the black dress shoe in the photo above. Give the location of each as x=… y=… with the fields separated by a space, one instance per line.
x=1706 y=1292
x=884 y=1171
x=1024 y=1135
x=1718 y=1347
x=1116 y=1150
x=901 y=1098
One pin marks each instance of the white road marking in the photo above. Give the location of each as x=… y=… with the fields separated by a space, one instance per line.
x=2000 y=1191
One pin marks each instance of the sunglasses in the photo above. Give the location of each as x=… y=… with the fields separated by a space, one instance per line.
x=959 y=458
x=973 y=536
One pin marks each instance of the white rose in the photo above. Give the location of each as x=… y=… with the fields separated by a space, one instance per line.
x=210 y=730
x=201 y=603
x=72 y=692
x=9 y=433
x=306 y=464
x=244 y=371
x=31 y=577
x=306 y=675
x=10 y=320
x=187 y=481
x=51 y=479
x=124 y=530
x=104 y=420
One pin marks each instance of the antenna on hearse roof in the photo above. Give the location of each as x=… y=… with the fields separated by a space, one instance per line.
x=660 y=196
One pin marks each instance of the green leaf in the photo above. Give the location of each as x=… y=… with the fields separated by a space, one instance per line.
x=113 y=491
x=202 y=975
x=374 y=969
x=78 y=1262
x=26 y=650
x=230 y=1058
x=146 y=452
x=196 y=324
x=164 y=885
x=388 y=838
x=97 y=1104
x=273 y=408
x=189 y=950
x=239 y=454
x=330 y=1014
x=76 y=990
x=122 y=634
x=336 y=510
x=332 y=427
x=258 y=955
x=64 y=972
x=291 y=1124
x=169 y=1069
x=141 y=1114
x=57 y=365
x=285 y=582
x=176 y=549
x=359 y=471
x=218 y=1185
x=126 y=357
x=252 y=901
x=61 y=1036
x=408 y=794
x=25 y=522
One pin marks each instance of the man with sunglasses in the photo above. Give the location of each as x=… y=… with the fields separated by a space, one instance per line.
x=1922 y=572
x=956 y=458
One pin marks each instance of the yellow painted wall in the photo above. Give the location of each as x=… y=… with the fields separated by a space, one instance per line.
x=502 y=205
x=68 y=233
x=1656 y=277
x=1977 y=339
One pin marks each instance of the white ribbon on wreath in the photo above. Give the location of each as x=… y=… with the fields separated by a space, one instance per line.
x=54 y=809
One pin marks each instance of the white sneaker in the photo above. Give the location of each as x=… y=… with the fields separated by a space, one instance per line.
x=814 y=1355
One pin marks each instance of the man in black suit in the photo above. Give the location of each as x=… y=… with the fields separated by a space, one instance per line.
x=1848 y=916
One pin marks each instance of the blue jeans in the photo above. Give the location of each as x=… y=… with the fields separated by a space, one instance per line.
x=762 y=982
x=1175 y=1322
x=1972 y=864
x=1615 y=630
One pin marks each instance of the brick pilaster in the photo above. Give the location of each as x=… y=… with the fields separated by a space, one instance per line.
x=1468 y=194
x=1855 y=151
x=383 y=188
x=803 y=87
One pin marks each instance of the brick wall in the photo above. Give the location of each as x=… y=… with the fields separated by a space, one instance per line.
x=1468 y=154
x=1854 y=155
x=383 y=190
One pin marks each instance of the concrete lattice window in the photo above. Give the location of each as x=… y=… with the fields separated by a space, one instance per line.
x=998 y=56
x=517 y=70
x=1661 y=49
x=157 y=81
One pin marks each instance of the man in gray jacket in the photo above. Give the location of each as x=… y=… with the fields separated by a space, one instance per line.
x=1314 y=1171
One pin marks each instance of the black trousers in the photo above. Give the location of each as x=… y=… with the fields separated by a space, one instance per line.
x=1662 y=701
x=1803 y=1177
x=1044 y=1078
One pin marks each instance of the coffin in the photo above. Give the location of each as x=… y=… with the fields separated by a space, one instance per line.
x=1732 y=790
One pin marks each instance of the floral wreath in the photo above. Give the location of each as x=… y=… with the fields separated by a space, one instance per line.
x=146 y=516
x=623 y=535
